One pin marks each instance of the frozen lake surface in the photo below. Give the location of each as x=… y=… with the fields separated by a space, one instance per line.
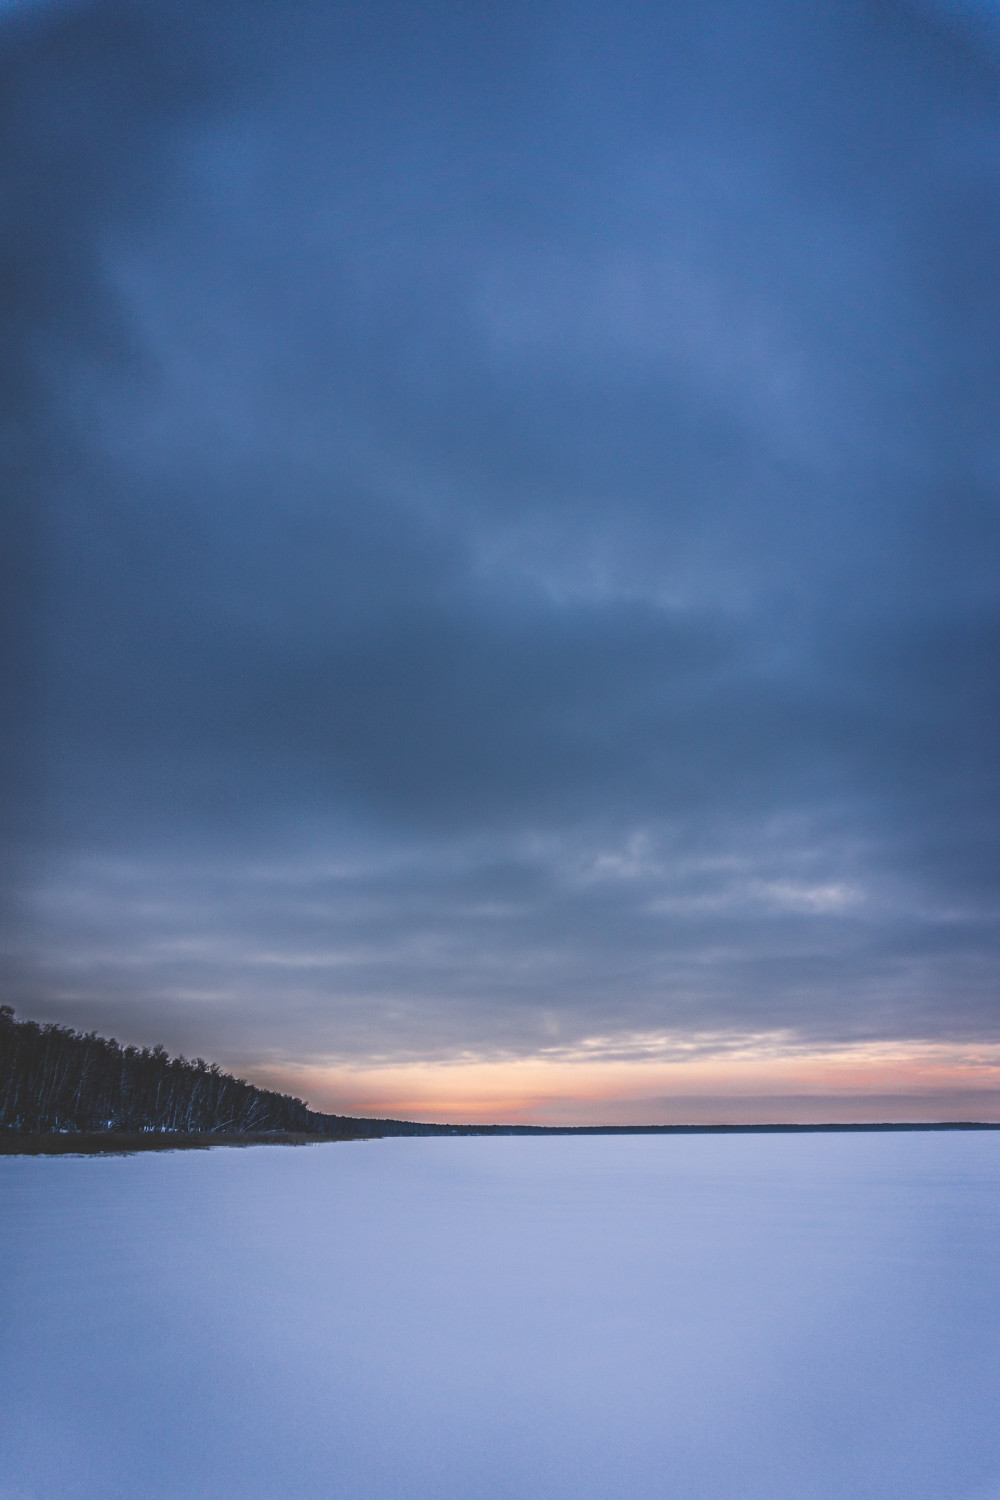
x=735 y=1318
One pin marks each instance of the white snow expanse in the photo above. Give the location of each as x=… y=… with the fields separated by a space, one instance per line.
x=706 y=1318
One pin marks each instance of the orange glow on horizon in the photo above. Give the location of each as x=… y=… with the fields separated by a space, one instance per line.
x=757 y=1082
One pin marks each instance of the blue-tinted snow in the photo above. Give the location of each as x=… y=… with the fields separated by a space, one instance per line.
x=810 y=1317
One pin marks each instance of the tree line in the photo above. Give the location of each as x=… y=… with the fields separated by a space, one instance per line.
x=55 y=1078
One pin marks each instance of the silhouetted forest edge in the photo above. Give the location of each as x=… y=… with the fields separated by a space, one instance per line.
x=64 y=1091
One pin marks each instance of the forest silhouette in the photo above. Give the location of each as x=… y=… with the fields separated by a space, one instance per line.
x=53 y=1078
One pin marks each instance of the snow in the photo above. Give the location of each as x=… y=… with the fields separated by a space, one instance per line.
x=741 y=1318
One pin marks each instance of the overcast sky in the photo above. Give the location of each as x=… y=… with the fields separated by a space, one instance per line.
x=503 y=543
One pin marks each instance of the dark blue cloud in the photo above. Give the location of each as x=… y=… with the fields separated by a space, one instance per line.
x=504 y=528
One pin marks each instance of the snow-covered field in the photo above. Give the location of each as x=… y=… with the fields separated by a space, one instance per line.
x=755 y=1318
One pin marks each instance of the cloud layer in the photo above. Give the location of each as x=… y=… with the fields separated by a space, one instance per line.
x=504 y=539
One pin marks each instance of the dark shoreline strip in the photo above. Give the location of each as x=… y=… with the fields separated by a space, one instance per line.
x=383 y=1128
x=127 y=1143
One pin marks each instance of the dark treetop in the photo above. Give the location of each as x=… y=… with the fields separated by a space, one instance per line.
x=53 y=1078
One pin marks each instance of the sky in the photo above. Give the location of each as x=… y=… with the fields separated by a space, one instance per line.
x=501 y=549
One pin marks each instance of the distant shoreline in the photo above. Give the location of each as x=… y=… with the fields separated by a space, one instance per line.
x=128 y=1143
